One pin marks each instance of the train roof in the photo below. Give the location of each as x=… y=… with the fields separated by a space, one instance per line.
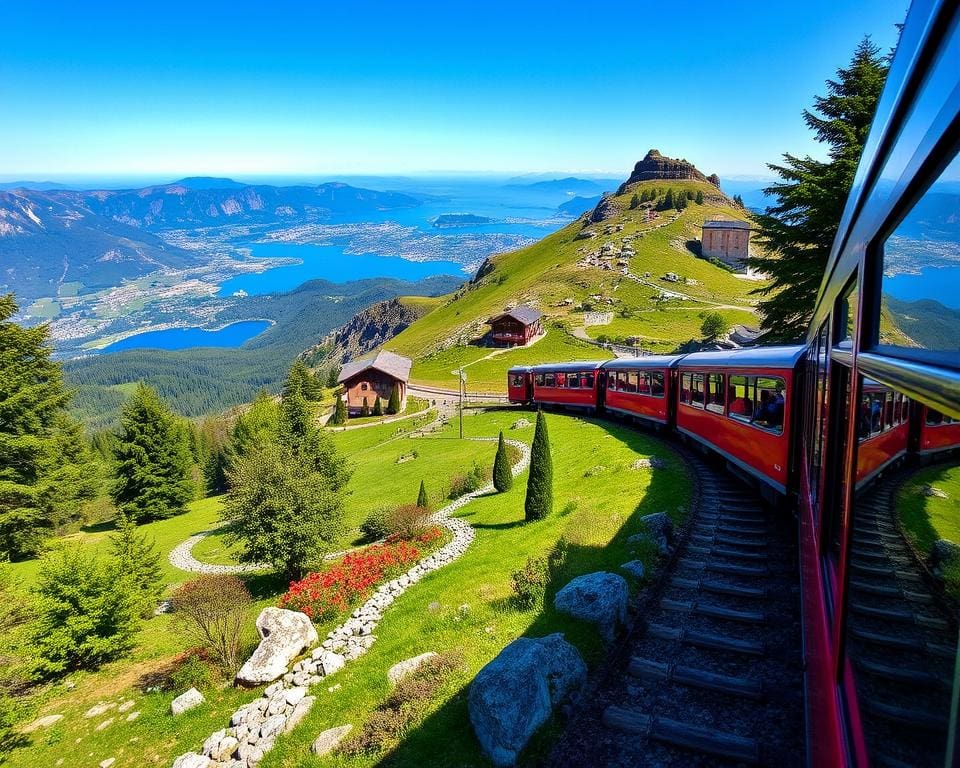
x=574 y=367
x=753 y=357
x=519 y=369
x=647 y=361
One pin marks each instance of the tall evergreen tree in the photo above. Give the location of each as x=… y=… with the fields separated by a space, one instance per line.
x=539 y=500
x=667 y=203
x=422 y=501
x=332 y=376
x=45 y=466
x=634 y=201
x=153 y=466
x=139 y=562
x=365 y=408
x=339 y=415
x=259 y=423
x=393 y=406
x=502 y=476
x=297 y=379
x=699 y=198
x=798 y=231
x=377 y=406
x=738 y=201
x=300 y=435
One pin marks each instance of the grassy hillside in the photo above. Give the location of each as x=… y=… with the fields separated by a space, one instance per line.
x=559 y=276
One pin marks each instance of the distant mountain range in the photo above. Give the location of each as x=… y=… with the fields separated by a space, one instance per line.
x=570 y=186
x=577 y=205
x=41 y=185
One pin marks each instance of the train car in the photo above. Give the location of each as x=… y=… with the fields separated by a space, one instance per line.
x=576 y=385
x=936 y=432
x=520 y=385
x=879 y=613
x=739 y=404
x=641 y=387
x=883 y=430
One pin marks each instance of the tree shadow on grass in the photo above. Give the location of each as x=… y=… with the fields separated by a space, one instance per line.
x=102 y=527
x=499 y=526
x=264 y=585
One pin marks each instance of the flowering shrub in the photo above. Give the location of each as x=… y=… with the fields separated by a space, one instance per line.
x=350 y=580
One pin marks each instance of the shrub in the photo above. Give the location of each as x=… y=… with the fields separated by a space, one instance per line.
x=138 y=559
x=422 y=500
x=339 y=415
x=569 y=508
x=374 y=527
x=530 y=583
x=407 y=521
x=472 y=481
x=365 y=408
x=192 y=672
x=713 y=325
x=212 y=610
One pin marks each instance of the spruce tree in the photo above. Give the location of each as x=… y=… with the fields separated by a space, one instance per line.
x=377 y=406
x=502 y=475
x=296 y=380
x=668 y=200
x=365 y=408
x=699 y=198
x=634 y=201
x=339 y=416
x=139 y=562
x=333 y=376
x=539 y=500
x=46 y=472
x=797 y=232
x=259 y=423
x=153 y=466
x=738 y=201
x=300 y=435
x=422 y=501
x=394 y=405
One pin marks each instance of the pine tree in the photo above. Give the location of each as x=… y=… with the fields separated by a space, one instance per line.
x=797 y=232
x=296 y=380
x=738 y=201
x=139 y=562
x=502 y=475
x=394 y=405
x=422 y=501
x=667 y=203
x=46 y=472
x=153 y=467
x=259 y=423
x=539 y=500
x=299 y=434
x=365 y=408
x=339 y=416
x=377 y=406
x=634 y=201
x=333 y=376
x=699 y=198
x=680 y=201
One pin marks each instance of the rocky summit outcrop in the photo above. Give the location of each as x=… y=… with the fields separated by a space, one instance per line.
x=655 y=167
x=284 y=635
x=600 y=598
x=513 y=695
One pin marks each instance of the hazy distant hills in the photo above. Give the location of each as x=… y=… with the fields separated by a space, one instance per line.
x=41 y=185
x=577 y=205
x=570 y=185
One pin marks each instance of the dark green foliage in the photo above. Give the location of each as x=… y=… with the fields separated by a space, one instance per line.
x=137 y=558
x=646 y=196
x=530 y=583
x=738 y=201
x=539 y=500
x=365 y=408
x=680 y=201
x=690 y=194
x=713 y=325
x=339 y=415
x=46 y=471
x=87 y=612
x=377 y=406
x=502 y=476
x=153 y=463
x=332 y=376
x=798 y=231
x=422 y=500
x=468 y=482
x=634 y=201
x=258 y=424
x=699 y=198
x=667 y=202
x=374 y=527
x=393 y=406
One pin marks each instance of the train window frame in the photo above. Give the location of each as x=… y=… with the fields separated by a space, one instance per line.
x=945 y=419
x=695 y=379
x=549 y=379
x=591 y=380
x=516 y=380
x=539 y=379
x=686 y=389
x=715 y=406
x=751 y=385
x=573 y=381
x=657 y=380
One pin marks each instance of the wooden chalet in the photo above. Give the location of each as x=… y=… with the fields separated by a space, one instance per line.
x=515 y=327
x=373 y=378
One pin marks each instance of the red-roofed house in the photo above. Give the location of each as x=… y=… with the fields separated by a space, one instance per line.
x=515 y=327
x=373 y=378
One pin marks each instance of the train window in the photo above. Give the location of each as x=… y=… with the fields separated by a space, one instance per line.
x=686 y=388
x=656 y=384
x=715 y=395
x=936 y=419
x=817 y=369
x=561 y=380
x=539 y=380
x=696 y=390
x=549 y=379
x=516 y=380
x=847 y=318
x=573 y=381
x=758 y=400
x=920 y=303
x=587 y=380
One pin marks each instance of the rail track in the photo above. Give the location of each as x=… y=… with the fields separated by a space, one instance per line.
x=711 y=672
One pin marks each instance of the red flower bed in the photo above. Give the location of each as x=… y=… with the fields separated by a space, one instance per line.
x=351 y=580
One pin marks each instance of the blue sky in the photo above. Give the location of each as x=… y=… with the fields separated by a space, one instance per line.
x=409 y=87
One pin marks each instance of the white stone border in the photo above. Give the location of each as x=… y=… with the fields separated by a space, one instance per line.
x=255 y=726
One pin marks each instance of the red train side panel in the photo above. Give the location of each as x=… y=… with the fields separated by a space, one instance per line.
x=520 y=385
x=571 y=384
x=640 y=387
x=937 y=432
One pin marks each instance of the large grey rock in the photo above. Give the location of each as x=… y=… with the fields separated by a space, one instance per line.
x=42 y=722
x=512 y=696
x=329 y=740
x=191 y=760
x=300 y=711
x=600 y=598
x=284 y=635
x=185 y=701
x=943 y=552
x=658 y=525
x=401 y=669
x=635 y=568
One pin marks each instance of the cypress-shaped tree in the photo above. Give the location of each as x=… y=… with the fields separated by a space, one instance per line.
x=365 y=408
x=139 y=562
x=377 y=406
x=46 y=470
x=539 y=501
x=339 y=416
x=394 y=405
x=502 y=476
x=422 y=501
x=797 y=232
x=153 y=465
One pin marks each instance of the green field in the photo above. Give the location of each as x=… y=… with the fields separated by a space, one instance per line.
x=659 y=329
x=928 y=518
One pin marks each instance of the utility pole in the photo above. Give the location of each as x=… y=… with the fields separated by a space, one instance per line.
x=461 y=388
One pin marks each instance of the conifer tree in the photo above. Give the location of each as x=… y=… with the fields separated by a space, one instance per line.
x=139 y=562
x=259 y=423
x=377 y=406
x=46 y=472
x=296 y=379
x=634 y=201
x=797 y=232
x=422 y=501
x=339 y=416
x=539 y=500
x=738 y=201
x=393 y=406
x=699 y=198
x=153 y=467
x=365 y=408
x=668 y=200
x=300 y=435
x=680 y=201
x=502 y=475
x=333 y=376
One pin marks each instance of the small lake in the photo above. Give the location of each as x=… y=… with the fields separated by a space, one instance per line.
x=939 y=283
x=232 y=335
x=329 y=262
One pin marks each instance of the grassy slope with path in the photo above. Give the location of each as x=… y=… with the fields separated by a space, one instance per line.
x=546 y=273
x=608 y=497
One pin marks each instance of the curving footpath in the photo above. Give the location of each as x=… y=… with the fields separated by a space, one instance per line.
x=255 y=726
x=181 y=556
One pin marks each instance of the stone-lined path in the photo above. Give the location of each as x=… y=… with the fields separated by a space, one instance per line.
x=255 y=726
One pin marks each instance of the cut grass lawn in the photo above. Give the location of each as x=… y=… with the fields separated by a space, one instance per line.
x=928 y=518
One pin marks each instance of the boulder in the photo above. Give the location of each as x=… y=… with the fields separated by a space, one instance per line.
x=108 y=762
x=512 y=696
x=330 y=662
x=329 y=740
x=299 y=712
x=943 y=552
x=284 y=635
x=99 y=709
x=185 y=701
x=600 y=598
x=635 y=568
x=42 y=722
x=401 y=669
x=191 y=760
x=658 y=525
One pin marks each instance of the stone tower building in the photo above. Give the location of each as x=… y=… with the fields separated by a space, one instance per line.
x=727 y=240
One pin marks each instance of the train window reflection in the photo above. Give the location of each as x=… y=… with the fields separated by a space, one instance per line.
x=847 y=318
x=758 y=400
x=935 y=418
x=920 y=305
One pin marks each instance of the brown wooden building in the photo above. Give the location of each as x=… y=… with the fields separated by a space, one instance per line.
x=373 y=378
x=515 y=327
x=727 y=240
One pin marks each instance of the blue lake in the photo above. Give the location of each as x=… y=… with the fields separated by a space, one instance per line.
x=232 y=335
x=329 y=262
x=941 y=284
